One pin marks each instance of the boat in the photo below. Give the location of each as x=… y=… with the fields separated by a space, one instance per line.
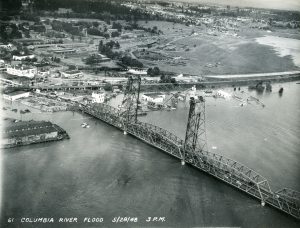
x=208 y=91
x=85 y=125
x=280 y=90
x=14 y=110
x=142 y=113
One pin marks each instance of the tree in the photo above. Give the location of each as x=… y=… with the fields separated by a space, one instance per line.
x=106 y=36
x=12 y=5
x=107 y=87
x=95 y=23
x=72 y=67
x=115 y=34
x=153 y=72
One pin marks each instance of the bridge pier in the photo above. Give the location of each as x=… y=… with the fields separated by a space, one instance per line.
x=262 y=203
x=182 y=162
x=125 y=133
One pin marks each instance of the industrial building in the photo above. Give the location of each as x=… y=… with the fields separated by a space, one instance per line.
x=154 y=97
x=15 y=95
x=22 y=71
x=28 y=132
x=98 y=97
x=22 y=57
x=71 y=74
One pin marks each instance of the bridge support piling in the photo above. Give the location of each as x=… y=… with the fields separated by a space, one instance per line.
x=182 y=162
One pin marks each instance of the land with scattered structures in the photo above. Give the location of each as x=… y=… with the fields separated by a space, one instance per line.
x=54 y=56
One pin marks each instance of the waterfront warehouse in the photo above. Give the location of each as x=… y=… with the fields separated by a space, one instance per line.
x=29 y=132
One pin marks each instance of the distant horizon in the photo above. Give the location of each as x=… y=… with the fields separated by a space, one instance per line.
x=292 y=5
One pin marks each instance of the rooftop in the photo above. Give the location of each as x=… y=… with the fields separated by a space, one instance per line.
x=26 y=128
x=153 y=94
x=72 y=72
x=16 y=93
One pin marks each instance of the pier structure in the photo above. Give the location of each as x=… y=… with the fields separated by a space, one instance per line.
x=193 y=150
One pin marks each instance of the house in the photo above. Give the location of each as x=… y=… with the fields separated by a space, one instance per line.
x=26 y=41
x=137 y=71
x=22 y=71
x=116 y=89
x=43 y=73
x=15 y=95
x=71 y=74
x=64 y=10
x=63 y=51
x=98 y=97
x=192 y=92
x=154 y=97
x=22 y=57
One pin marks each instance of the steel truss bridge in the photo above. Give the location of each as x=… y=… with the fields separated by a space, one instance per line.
x=192 y=150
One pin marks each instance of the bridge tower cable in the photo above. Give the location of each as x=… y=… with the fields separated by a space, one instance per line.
x=195 y=138
x=130 y=101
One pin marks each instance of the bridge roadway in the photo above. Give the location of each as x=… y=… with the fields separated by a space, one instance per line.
x=225 y=169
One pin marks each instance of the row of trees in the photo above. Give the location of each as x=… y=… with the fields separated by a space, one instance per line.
x=64 y=26
x=131 y=62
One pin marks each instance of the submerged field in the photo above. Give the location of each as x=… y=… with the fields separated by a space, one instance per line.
x=199 y=51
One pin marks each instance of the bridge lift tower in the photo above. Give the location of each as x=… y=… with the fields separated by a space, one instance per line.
x=195 y=138
x=130 y=101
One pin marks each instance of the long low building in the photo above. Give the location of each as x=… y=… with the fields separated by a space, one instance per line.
x=22 y=71
x=22 y=57
x=28 y=132
x=15 y=95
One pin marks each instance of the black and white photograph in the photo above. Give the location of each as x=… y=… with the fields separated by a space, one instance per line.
x=150 y=113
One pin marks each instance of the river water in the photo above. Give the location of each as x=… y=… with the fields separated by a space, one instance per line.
x=283 y=46
x=100 y=172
